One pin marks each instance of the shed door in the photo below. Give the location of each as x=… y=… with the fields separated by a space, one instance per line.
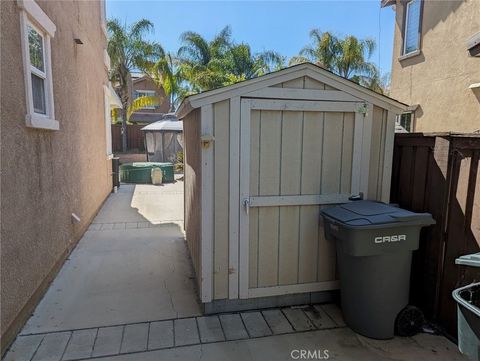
x=296 y=157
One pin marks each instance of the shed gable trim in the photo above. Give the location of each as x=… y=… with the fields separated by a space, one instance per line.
x=302 y=94
x=242 y=88
x=306 y=69
x=356 y=90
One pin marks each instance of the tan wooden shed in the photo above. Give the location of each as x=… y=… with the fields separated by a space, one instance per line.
x=262 y=157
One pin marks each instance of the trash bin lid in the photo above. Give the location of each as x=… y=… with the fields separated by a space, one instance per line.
x=369 y=213
x=469 y=260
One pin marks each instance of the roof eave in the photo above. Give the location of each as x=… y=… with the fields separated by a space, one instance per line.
x=184 y=108
x=385 y=3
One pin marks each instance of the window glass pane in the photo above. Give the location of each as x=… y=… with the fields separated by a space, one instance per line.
x=38 y=92
x=35 y=44
x=406 y=121
x=412 y=26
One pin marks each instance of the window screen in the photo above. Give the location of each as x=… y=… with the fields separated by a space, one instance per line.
x=38 y=94
x=412 y=27
x=406 y=121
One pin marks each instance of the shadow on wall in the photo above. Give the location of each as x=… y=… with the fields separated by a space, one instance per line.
x=417 y=59
x=434 y=13
x=440 y=175
x=438 y=11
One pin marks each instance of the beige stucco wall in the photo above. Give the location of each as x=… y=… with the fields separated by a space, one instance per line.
x=438 y=78
x=47 y=175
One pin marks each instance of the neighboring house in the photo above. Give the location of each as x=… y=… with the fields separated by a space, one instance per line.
x=436 y=64
x=144 y=86
x=55 y=152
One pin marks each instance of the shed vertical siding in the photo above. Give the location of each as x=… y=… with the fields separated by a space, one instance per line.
x=313 y=127
x=377 y=151
x=290 y=183
x=193 y=186
x=293 y=153
x=221 y=121
x=254 y=214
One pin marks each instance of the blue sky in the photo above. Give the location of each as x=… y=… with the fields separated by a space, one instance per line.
x=282 y=26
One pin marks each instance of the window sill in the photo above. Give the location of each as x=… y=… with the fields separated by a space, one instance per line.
x=110 y=156
x=41 y=122
x=409 y=55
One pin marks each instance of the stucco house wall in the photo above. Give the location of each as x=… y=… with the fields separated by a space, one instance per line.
x=438 y=78
x=48 y=175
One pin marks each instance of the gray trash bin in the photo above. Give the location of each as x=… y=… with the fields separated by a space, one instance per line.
x=374 y=244
x=468 y=311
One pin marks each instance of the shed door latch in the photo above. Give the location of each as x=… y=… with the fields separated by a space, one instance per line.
x=246 y=205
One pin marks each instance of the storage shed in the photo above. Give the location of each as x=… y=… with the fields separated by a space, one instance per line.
x=262 y=157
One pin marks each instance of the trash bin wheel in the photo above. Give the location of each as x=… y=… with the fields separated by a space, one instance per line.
x=409 y=321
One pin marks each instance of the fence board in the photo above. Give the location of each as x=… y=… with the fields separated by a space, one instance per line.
x=135 y=139
x=438 y=174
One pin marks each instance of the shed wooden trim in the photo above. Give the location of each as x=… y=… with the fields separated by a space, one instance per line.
x=244 y=195
x=302 y=94
x=366 y=146
x=356 y=90
x=303 y=105
x=388 y=157
x=296 y=288
x=308 y=199
x=357 y=153
x=305 y=69
x=234 y=198
x=207 y=206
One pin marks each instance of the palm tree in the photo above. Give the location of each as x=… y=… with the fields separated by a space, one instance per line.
x=167 y=74
x=347 y=57
x=202 y=61
x=129 y=50
x=241 y=64
x=375 y=82
x=323 y=52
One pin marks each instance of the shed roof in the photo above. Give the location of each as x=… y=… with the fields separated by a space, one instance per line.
x=141 y=117
x=305 y=69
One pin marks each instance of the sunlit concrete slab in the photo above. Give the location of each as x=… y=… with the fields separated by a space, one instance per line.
x=126 y=268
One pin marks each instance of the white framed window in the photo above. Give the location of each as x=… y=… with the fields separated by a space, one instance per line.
x=36 y=31
x=406 y=121
x=411 y=36
x=145 y=93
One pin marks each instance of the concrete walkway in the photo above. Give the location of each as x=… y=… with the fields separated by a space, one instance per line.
x=272 y=334
x=132 y=265
x=127 y=293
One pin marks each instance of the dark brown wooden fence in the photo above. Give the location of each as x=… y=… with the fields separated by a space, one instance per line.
x=134 y=138
x=439 y=174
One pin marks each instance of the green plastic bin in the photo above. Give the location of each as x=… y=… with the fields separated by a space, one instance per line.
x=140 y=172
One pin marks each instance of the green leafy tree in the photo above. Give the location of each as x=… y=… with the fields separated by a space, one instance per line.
x=129 y=50
x=348 y=57
x=241 y=64
x=211 y=64
x=202 y=61
x=167 y=74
